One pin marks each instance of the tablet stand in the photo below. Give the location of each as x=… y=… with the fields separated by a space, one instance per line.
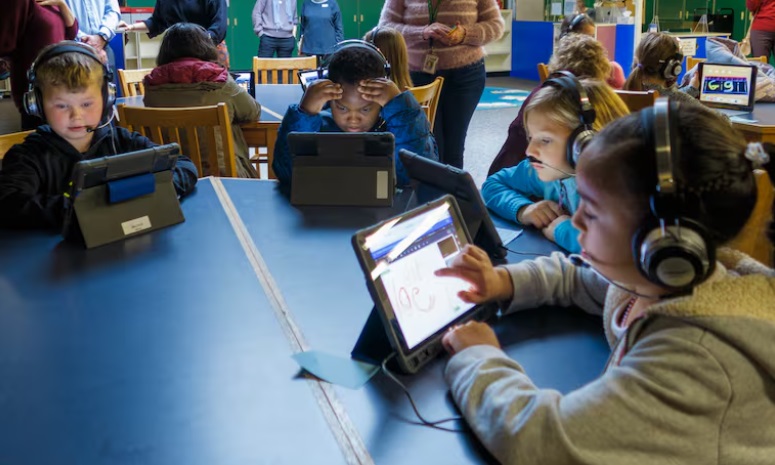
x=372 y=345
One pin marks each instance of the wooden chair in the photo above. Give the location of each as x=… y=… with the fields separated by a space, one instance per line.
x=691 y=61
x=281 y=70
x=9 y=140
x=131 y=81
x=543 y=72
x=761 y=59
x=428 y=97
x=753 y=240
x=203 y=133
x=637 y=100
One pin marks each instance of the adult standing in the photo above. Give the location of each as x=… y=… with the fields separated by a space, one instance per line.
x=274 y=22
x=446 y=38
x=26 y=27
x=210 y=14
x=97 y=23
x=321 y=27
x=763 y=27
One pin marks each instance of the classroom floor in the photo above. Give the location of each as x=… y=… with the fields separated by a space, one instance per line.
x=486 y=133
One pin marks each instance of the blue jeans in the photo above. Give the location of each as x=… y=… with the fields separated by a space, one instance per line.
x=460 y=94
x=283 y=46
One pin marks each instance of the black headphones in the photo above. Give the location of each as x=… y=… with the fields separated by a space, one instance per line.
x=33 y=98
x=670 y=68
x=670 y=250
x=374 y=33
x=580 y=137
x=358 y=43
x=573 y=24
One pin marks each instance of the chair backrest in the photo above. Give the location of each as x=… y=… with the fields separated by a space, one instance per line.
x=761 y=59
x=543 y=72
x=9 y=140
x=131 y=81
x=691 y=62
x=753 y=239
x=203 y=133
x=281 y=70
x=428 y=97
x=636 y=99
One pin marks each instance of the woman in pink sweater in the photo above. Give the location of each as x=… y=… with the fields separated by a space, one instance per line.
x=446 y=38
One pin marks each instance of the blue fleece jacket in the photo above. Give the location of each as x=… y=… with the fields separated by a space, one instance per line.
x=402 y=116
x=510 y=189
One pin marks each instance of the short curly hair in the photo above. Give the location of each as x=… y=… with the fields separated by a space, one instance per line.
x=354 y=63
x=582 y=55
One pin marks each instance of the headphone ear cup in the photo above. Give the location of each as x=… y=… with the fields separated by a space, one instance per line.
x=677 y=257
x=33 y=103
x=579 y=138
x=673 y=69
x=109 y=99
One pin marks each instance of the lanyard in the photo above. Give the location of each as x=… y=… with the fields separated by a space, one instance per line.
x=433 y=10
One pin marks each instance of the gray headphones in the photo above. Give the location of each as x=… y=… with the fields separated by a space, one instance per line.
x=670 y=250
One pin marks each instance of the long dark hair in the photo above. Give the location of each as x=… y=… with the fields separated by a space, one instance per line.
x=186 y=40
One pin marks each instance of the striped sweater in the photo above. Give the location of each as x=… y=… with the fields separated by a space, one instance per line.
x=481 y=19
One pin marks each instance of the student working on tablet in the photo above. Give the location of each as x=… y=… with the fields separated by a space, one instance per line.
x=71 y=89
x=362 y=99
x=541 y=190
x=692 y=371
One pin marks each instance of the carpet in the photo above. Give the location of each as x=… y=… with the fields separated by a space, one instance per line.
x=494 y=98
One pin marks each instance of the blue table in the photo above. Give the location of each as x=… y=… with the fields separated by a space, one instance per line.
x=174 y=347
x=322 y=287
x=159 y=350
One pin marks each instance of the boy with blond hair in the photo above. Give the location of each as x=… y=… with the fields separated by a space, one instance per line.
x=70 y=89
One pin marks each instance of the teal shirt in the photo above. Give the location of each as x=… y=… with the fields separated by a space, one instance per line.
x=510 y=189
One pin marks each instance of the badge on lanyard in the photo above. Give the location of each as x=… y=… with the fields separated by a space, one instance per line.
x=430 y=62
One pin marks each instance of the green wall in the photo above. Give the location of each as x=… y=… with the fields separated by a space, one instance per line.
x=668 y=13
x=358 y=16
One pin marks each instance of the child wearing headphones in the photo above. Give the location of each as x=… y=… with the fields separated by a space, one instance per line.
x=72 y=90
x=559 y=119
x=692 y=372
x=362 y=99
x=581 y=23
x=658 y=63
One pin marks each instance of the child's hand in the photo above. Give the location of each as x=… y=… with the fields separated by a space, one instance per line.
x=317 y=94
x=470 y=334
x=695 y=81
x=380 y=90
x=549 y=230
x=488 y=283
x=540 y=214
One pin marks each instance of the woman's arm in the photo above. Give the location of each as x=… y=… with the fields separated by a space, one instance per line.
x=488 y=26
x=219 y=12
x=338 y=28
x=64 y=11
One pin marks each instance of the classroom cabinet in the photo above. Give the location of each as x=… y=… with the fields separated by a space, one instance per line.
x=240 y=38
x=359 y=16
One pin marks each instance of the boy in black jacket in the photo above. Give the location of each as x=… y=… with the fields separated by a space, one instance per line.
x=69 y=89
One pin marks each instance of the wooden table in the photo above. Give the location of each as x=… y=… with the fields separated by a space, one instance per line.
x=763 y=129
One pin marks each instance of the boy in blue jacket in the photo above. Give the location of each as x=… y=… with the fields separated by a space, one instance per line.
x=362 y=99
x=70 y=90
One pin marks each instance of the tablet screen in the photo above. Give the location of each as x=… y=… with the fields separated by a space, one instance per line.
x=405 y=253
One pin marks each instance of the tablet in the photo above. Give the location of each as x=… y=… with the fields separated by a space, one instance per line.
x=308 y=76
x=342 y=168
x=437 y=179
x=399 y=257
x=115 y=197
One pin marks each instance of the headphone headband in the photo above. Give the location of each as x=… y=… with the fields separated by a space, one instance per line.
x=358 y=43
x=582 y=134
x=33 y=100
x=576 y=21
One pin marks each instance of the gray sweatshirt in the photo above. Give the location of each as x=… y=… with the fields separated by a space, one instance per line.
x=691 y=382
x=264 y=21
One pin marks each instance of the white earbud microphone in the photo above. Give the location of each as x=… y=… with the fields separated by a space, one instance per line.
x=578 y=260
x=532 y=159
x=112 y=116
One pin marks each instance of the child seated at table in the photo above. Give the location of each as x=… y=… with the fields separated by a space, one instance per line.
x=71 y=90
x=583 y=24
x=690 y=324
x=187 y=75
x=658 y=63
x=541 y=190
x=362 y=99
x=392 y=44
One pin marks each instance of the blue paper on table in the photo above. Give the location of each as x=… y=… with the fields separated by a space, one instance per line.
x=343 y=371
x=508 y=235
